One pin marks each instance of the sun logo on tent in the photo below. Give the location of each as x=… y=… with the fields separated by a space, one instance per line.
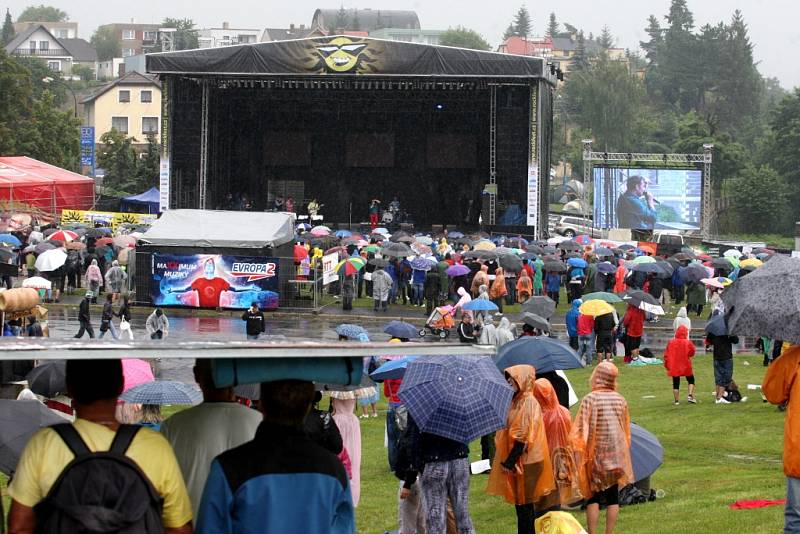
x=341 y=54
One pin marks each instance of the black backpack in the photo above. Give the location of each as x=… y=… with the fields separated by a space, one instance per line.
x=100 y=492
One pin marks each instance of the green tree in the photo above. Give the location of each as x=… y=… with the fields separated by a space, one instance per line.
x=656 y=34
x=509 y=32
x=84 y=72
x=118 y=158
x=341 y=18
x=569 y=29
x=50 y=135
x=148 y=164
x=43 y=78
x=782 y=149
x=552 y=26
x=106 y=43
x=580 y=61
x=185 y=37
x=7 y=32
x=355 y=24
x=760 y=201
x=462 y=37
x=16 y=98
x=606 y=40
x=42 y=13
x=523 y=26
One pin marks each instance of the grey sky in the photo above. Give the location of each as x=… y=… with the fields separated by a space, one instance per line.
x=772 y=22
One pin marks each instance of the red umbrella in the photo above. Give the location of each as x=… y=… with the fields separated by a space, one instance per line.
x=103 y=241
x=63 y=235
x=300 y=253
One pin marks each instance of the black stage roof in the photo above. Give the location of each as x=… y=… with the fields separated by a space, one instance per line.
x=344 y=55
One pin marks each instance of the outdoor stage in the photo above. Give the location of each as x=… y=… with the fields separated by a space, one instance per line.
x=345 y=120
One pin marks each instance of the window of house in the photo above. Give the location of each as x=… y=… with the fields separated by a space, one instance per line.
x=149 y=36
x=54 y=65
x=129 y=34
x=128 y=52
x=61 y=33
x=32 y=45
x=124 y=96
x=149 y=125
x=146 y=96
x=44 y=45
x=120 y=124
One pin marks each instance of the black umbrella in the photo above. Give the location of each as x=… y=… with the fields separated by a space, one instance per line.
x=643 y=301
x=606 y=267
x=380 y=263
x=650 y=268
x=48 y=379
x=717 y=326
x=19 y=420
x=603 y=251
x=44 y=245
x=487 y=255
x=95 y=232
x=766 y=301
x=325 y=242
x=510 y=262
x=555 y=267
x=530 y=256
x=398 y=250
x=549 y=250
x=49 y=232
x=540 y=305
x=667 y=266
x=695 y=272
x=569 y=245
x=535 y=249
x=464 y=241
x=536 y=321
x=682 y=256
x=626 y=246
x=5 y=255
x=722 y=263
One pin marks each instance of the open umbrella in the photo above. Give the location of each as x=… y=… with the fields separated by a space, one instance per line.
x=97 y=232
x=341 y=234
x=544 y=353
x=50 y=260
x=44 y=246
x=536 y=321
x=765 y=302
x=423 y=264
x=303 y=227
x=596 y=308
x=643 y=301
x=64 y=236
x=722 y=263
x=457 y=397
x=425 y=240
x=455 y=235
x=555 y=267
x=606 y=267
x=350 y=330
x=124 y=241
x=570 y=246
x=481 y=305
x=751 y=262
x=601 y=295
x=162 y=392
x=480 y=255
x=602 y=252
x=397 y=250
x=421 y=249
x=135 y=372
x=584 y=240
x=719 y=282
x=37 y=282
x=76 y=245
x=644 y=259
x=320 y=231
x=401 y=329
x=695 y=272
x=457 y=270
x=577 y=262
x=10 y=240
x=732 y=253
x=717 y=325
x=350 y=266
x=380 y=263
x=682 y=256
x=19 y=420
x=510 y=263
x=540 y=305
x=647 y=454
x=382 y=231
x=48 y=379
x=484 y=245
x=650 y=268
x=393 y=369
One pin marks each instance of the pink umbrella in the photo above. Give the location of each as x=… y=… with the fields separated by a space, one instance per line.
x=136 y=372
x=123 y=241
x=63 y=235
x=320 y=231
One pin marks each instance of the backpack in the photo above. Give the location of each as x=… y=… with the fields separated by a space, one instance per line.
x=103 y=491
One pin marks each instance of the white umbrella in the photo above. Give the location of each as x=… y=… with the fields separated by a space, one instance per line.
x=37 y=282
x=50 y=260
x=732 y=253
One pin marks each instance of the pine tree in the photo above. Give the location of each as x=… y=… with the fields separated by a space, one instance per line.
x=680 y=18
x=522 y=22
x=552 y=26
x=509 y=32
x=8 y=29
x=656 y=35
x=606 y=40
x=355 y=23
x=341 y=19
x=580 y=61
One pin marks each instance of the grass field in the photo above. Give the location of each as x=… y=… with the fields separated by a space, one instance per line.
x=715 y=455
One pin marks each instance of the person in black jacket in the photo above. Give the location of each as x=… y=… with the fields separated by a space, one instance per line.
x=124 y=315
x=84 y=318
x=466 y=331
x=604 y=330
x=320 y=427
x=254 y=319
x=723 y=362
x=431 y=290
x=106 y=320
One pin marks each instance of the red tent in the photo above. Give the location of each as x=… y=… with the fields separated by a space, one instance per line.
x=47 y=187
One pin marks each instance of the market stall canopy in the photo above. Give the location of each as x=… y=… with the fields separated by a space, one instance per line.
x=148 y=200
x=231 y=229
x=340 y=54
x=36 y=183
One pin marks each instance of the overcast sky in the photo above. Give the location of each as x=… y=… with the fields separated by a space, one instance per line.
x=773 y=23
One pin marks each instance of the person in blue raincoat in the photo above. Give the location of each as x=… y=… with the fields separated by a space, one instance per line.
x=572 y=323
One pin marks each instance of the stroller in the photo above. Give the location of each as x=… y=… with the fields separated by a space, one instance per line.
x=440 y=322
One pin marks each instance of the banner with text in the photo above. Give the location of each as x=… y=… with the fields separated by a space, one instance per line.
x=106 y=218
x=214 y=281
x=329 y=262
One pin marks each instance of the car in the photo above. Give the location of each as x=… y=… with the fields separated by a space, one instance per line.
x=570 y=226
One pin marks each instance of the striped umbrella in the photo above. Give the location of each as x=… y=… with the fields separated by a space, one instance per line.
x=63 y=235
x=350 y=266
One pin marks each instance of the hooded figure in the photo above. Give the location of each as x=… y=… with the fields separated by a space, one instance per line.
x=481 y=278
x=350 y=429
x=464 y=298
x=678 y=361
x=94 y=278
x=538 y=285
x=381 y=284
x=572 y=323
x=682 y=319
x=115 y=277
x=488 y=332
x=619 y=277
x=524 y=287
x=498 y=289
x=522 y=472
x=504 y=332
x=557 y=428
x=601 y=434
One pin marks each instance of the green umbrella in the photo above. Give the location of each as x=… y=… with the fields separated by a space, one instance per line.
x=644 y=259
x=611 y=298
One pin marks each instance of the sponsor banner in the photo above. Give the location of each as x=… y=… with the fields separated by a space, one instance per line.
x=87 y=147
x=329 y=262
x=163 y=184
x=533 y=194
x=214 y=281
x=106 y=218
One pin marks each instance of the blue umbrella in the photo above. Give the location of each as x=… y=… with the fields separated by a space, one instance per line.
x=481 y=305
x=606 y=267
x=603 y=251
x=393 y=369
x=10 y=239
x=350 y=330
x=162 y=392
x=456 y=397
x=343 y=233
x=422 y=264
x=401 y=329
x=304 y=227
x=544 y=353
x=717 y=326
x=454 y=235
x=647 y=454
x=577 y=262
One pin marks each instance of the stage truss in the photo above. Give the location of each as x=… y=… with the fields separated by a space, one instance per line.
x=705 y=159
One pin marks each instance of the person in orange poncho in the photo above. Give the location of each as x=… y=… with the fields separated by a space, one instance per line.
x=524 y=287
x=521 y=470
x=619 y=277
x=498 y=289
x=481 y=278
x=557 y=428
x=601 y=436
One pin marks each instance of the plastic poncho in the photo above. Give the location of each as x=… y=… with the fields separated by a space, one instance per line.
x=619 y=278
x=679 y=353
x=531 y=481
x=504 y=332
x=601 y=434
x=461 y=301
x=488 y=332
x=682 y=319
x=782 y=384
x=524 y=287
x=498 y=288
x=557 y=427
x=350 y=429
x=481 y=278
x=537 y=276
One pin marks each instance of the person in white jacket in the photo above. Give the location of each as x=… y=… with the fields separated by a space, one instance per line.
x=488 y=332
x=157 y=325
x=682 y=319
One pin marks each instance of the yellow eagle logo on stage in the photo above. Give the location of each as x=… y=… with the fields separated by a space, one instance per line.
x=342 y=55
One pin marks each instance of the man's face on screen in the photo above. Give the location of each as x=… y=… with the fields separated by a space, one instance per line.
x=641 y=187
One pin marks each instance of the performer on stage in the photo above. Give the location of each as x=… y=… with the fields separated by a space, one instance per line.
x=374 y=212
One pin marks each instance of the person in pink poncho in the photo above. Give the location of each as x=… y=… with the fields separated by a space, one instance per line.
x=465 y=297
x=350 y=429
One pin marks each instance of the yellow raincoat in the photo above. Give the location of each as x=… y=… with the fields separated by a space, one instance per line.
x=531 y=481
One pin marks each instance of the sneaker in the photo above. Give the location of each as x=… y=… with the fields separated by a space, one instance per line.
x=722 y=401
x=676 y=403
x=691 y=399
x=374 y=415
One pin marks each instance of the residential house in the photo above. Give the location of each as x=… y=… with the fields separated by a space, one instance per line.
x=368 y=20
x=134 y=38
x=559 y=50
x=408 y=35
x=82 y=51
x=37 y=41
x=226 y=36
x=130 y=104
x=60 y=30
x=292 y=32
